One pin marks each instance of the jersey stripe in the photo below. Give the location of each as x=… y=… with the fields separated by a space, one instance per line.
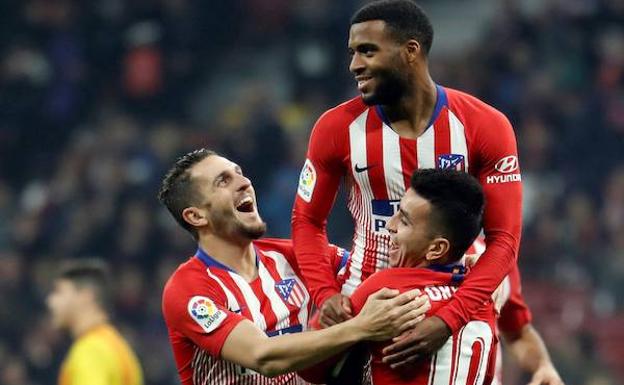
x=426 y=149
x=377 y=176
x=294 y=317
x=277 y=305
x=409 y=160
x=458 y=138
x=235 y=297
x=442 y=140
x=392 y=163
x=361 y=197
x=375 y=156
x=250 y=298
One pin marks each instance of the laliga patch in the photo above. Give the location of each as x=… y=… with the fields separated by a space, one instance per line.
x=203 y=311
x=307 y=180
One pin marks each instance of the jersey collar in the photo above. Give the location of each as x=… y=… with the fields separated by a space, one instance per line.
x=210 y=261
x=457 y=269
x=441 y=102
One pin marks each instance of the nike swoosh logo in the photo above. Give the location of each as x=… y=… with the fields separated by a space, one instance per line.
x=362 y=169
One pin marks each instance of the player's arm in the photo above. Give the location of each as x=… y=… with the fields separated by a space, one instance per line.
x=495 y=149
x=318 y=186
x=529 y=351
x=384 y=315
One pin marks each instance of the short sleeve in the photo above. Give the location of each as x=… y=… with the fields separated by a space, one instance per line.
x=199 y=314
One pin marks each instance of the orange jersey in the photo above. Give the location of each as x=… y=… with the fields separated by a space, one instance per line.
x=101 y=357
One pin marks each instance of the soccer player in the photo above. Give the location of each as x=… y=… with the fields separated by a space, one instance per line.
x=223 y=304
x=437 y=219
x=99 y=355
x=402 y=121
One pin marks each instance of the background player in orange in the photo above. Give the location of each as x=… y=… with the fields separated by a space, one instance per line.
x=79 y=303
x=402 y=121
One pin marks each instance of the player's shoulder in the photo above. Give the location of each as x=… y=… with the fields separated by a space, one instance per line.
x=469 y=108
x=343 y=114
x=281 y=246
x=274 y=244
x=183 y=279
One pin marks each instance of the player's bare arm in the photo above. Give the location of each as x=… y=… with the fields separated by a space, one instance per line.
x=385 y=315
x=529 y=351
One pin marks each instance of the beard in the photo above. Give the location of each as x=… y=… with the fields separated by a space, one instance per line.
x=226 y=225
x=391 y=87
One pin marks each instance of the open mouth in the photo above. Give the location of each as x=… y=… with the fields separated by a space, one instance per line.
x=362 y=81
x=246 y=205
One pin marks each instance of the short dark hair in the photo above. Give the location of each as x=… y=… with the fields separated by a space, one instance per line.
x=91 y=273
x=177 y=190
x=405 y=19
x=457 y=205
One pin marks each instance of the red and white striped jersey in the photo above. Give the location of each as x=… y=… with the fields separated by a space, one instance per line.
x=468 y=356
x=204 y=300
x=355 y=143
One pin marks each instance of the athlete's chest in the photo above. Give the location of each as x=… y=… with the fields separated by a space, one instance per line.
x=380 y=162
x=276 y=300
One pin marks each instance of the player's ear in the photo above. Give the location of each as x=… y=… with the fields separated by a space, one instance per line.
x=438 y=248
x=413 y=50
x=195 y=216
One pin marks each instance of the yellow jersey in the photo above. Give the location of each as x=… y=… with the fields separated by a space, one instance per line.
x=101 y=356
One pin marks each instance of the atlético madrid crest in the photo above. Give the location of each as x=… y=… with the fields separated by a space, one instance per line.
x=451 y=161
x=291 y=291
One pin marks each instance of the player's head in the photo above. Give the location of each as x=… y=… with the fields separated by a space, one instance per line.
x=388 y=40
x=80 y=287
x=204 y=190
x=439 y=217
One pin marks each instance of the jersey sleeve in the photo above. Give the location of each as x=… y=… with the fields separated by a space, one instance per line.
x=495 y=164
x=199 y=313
x=318 y=185
x=515 y=313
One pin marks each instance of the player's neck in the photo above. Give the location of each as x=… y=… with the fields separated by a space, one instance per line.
x=238 y=256
x=410 y=116
x=87 y=320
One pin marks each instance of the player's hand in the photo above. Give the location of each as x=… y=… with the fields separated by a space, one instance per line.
x=335 y=309
x=546 y=375
x=426 y=338
x=387 y=313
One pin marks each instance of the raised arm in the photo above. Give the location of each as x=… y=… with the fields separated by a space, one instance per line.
x=318 y=186
x=499 y=173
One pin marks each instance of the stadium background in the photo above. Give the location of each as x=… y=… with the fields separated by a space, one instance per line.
x=98 y=97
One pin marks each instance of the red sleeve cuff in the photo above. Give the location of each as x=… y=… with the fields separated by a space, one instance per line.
x=450 y=318
x=224 y=333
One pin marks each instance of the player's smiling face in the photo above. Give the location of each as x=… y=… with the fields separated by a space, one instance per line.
x=229 y=200
x=377 y=63
x=413 y=242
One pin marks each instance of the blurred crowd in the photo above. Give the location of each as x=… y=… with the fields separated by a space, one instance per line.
x=97 y=98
